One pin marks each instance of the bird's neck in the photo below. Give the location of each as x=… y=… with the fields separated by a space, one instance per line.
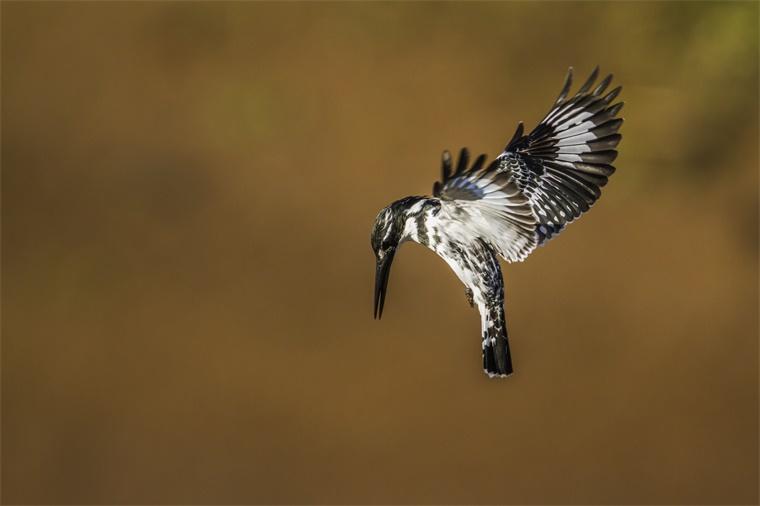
x=420 y=221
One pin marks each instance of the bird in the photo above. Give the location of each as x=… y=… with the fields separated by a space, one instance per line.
x=541 y=182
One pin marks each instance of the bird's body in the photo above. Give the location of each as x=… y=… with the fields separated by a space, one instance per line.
x=537 y=185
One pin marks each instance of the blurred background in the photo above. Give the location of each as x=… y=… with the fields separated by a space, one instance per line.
x=188 y=192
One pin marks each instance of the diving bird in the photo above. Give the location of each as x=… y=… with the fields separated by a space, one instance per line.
x=528 y=194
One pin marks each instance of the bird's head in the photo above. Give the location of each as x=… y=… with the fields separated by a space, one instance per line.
x=386 y=237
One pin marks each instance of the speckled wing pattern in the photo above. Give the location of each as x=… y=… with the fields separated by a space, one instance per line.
x=564 y=162
x=542 y=181
x=489 y=203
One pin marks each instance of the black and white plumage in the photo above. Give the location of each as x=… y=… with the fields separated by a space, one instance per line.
x=540 y=183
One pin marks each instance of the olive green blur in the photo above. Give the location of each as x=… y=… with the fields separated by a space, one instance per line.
x=188 y=191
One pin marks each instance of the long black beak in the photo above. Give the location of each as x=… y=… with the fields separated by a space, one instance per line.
x=381 y=281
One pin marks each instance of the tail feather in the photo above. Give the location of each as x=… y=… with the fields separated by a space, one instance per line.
x=497 y=359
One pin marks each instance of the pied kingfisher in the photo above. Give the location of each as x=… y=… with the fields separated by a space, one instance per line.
x=539 y=183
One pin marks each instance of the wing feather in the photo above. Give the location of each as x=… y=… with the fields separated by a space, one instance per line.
x=564 y=162
x=489 y=204
x=541 y=181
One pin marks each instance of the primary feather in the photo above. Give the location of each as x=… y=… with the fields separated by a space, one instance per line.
x=558 y=170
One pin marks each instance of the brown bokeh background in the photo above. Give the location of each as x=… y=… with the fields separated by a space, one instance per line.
x=188 y=191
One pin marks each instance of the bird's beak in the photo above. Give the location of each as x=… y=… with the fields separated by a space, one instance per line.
x=381 y=281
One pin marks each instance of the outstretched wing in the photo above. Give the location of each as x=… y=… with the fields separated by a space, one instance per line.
x=542 y=181
x=487 y=202
x=564 y=162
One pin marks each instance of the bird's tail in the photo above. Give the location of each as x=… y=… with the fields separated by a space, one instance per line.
x=497 y=360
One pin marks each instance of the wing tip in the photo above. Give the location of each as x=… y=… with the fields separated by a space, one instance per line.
x=565 y=86
x=445 y=165
x=519 y=131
